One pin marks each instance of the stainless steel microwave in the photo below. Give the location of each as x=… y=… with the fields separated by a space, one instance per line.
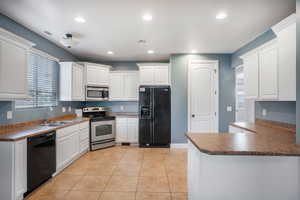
x=97 y=93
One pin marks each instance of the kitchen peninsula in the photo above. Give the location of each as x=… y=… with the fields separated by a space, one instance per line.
x=261 y=161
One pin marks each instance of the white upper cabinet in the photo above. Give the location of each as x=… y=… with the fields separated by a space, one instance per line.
x=146 y=75
x=154 y=74
x=268 y=72
x=71 y=82
x=286 y=36
x=13 y=66
x=96 y=74
x=251 y=68
x=123 y=86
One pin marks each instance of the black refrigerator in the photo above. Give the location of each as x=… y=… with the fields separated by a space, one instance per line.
x=154 y=116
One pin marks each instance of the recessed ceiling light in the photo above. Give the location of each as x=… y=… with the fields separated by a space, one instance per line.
x=150 y=52
x=110 y=52
x=221 y=15
x=147 y=17
x=79 y=19
x=194 y=51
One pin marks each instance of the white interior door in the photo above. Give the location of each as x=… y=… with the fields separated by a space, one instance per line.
x=203 y=96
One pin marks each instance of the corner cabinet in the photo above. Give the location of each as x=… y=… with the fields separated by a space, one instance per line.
x=14 y=52
x=71 y=82
x=127 y=130
x=96 y=74
x=154 y=74
x=123 y=86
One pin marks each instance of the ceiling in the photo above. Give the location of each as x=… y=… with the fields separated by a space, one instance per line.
x=178 y=26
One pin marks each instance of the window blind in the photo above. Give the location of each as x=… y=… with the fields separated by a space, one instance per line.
x=42 y=80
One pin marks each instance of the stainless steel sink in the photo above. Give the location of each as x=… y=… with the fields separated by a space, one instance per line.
x=56 y=123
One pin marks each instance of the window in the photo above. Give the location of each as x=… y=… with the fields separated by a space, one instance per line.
x=240 y=94
x=42 y=80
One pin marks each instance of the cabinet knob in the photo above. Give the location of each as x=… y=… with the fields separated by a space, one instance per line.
x=193 y=115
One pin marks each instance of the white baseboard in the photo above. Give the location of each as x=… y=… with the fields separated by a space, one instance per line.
x=179 y=145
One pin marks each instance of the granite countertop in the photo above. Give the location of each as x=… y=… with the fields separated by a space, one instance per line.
x=19 y=131
x=264 y=139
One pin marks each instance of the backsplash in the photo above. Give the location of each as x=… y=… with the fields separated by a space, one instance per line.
x=23 y=115
x=279 y=111
x=128 y=106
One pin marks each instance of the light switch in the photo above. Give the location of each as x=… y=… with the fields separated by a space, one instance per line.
x=51 y=108
x=229 y=109
x=63 y=109
x=70 y=109
x=264 y=112
x=9 y=114
x=122 y=108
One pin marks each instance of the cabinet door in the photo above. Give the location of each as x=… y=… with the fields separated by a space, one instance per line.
x=132 y=130
x=251 y=66
x=77 y=83
x=116 y=85
x=61 y=152
x=268 y=80
x=161 y=75
x=121 y=130
x=146 y=75
x=97 y=75
x=287 y=63
x=13 y=71
x=74 y=145
x=130 y=86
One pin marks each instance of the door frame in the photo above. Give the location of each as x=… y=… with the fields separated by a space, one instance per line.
x=216 y=63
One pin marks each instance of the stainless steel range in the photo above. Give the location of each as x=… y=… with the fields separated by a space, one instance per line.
x=102 y=127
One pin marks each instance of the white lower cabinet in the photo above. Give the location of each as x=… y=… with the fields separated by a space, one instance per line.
x=71 y=142
x=13 y=170
x=127 y=129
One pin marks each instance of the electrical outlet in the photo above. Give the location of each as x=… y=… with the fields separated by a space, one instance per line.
x=70 y=109
x=122 y=108
x=9 y=114
x=51 y=108
x=63 y=109
x=229 y=108
x=264 y=112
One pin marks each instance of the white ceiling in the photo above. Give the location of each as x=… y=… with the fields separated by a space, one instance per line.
x=178 y=26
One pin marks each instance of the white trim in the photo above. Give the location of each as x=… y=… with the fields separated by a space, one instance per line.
x=259 y=48
x=216 y=63
x=44 y=54
x=15 y=39
x=89 y=63
x=152 y=63
x=179 y=146
x=284 y=23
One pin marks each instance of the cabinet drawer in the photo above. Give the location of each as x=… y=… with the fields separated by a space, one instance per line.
x=84 y=145
x=132 y=120
x=84 y=134
x=66 y=131
x=84 y=125
x=121 y=120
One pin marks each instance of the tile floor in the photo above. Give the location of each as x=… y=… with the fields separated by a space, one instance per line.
x=122 y=172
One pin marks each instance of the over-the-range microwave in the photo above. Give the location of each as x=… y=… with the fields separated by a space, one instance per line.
x=97 y=93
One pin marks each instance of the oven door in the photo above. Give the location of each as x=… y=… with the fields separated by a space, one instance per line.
x=102 y=130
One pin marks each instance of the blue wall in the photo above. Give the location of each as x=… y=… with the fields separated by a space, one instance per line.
x=276 y=110
x=43 y=45
x=179 y=103
x=298 y=71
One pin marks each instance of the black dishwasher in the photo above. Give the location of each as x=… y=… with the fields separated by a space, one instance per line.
x=41 y=159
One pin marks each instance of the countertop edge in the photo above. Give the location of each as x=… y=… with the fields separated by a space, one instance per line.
x=238 y=153
x=83 y=119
